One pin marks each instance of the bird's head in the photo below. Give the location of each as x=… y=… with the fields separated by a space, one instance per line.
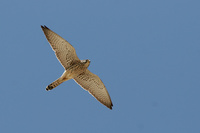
x=86 y=63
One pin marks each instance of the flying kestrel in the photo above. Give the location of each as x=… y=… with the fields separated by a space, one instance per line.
x=75 y=68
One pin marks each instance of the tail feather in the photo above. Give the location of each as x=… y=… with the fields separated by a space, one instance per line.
x=60 y=80
x=54 y=84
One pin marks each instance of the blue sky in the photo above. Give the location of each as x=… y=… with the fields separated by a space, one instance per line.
x=146 y=53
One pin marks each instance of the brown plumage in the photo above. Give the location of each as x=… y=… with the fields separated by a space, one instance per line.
x=75 y=68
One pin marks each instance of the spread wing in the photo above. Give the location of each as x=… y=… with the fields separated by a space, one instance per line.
x=95 y=86
x=64 y=51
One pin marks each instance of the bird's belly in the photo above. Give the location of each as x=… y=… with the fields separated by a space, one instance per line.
x=71 y=73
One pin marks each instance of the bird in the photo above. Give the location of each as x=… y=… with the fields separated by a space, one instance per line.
x=75 y=68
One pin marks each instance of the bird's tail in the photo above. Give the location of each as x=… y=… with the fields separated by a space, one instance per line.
x=60 y=80
x=55 y=83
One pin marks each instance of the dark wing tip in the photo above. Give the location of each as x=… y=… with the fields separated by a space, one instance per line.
x=44 y=27
x=111 y=106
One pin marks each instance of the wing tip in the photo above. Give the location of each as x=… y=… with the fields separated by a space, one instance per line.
x=44 y=27
x=110 y=107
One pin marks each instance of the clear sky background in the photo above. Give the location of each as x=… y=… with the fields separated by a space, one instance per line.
x=147 y=53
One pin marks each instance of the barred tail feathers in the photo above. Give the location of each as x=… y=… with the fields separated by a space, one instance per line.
x=56 y=83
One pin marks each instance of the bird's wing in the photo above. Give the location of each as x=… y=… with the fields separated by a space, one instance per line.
x=92 y=83
x=64 y=51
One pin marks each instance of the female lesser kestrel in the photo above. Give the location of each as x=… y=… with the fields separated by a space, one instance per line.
x=75 y=68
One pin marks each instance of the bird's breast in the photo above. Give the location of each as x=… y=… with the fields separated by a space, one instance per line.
x=75 y=70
